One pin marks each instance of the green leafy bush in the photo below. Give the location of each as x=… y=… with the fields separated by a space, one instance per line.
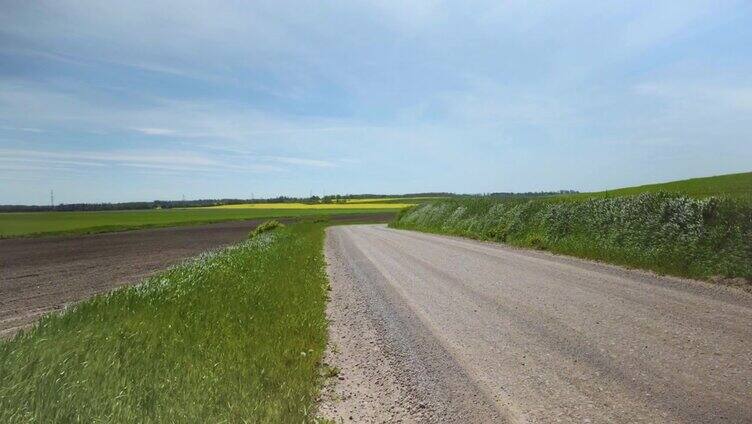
x=665 y=232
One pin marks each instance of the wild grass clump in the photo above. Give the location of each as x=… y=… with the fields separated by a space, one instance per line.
x=235 y=336
x=669 y=233
x=264 y=227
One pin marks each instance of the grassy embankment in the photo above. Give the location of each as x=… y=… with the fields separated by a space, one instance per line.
x=680 y=230
x=233 y=336
x=17 y=224
x=735 y=186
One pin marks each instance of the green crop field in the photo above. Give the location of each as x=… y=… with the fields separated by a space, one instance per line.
x=233 y=336
x=738 y=186
x=15 y=224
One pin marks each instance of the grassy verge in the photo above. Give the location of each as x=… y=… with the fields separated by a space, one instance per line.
x=234 y=336
x=667 y=233
x=26 y=224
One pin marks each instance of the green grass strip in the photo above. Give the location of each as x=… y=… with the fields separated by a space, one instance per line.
x=233 y=336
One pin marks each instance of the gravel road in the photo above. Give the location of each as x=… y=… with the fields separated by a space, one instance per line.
x=465 y=331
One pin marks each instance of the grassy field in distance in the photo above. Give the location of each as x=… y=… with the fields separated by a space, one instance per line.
x=738 y=186
x=233 y=336
x=16 y=224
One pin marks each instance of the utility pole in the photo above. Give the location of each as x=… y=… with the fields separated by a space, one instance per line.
x=52 y=199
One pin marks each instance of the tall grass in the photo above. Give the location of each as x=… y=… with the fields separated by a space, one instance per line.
x=668 y=233
x=234 y=336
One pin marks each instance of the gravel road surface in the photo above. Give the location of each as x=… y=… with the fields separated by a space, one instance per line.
x=465 y=331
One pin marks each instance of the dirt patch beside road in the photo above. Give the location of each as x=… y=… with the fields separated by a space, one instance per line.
x=41 y=275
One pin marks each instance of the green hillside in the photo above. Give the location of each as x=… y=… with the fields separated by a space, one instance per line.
x=737 y=186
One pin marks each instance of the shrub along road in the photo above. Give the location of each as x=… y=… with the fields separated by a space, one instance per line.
x=474 y=329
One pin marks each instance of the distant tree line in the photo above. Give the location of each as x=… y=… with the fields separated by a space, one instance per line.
x=533 y=193
x=396 y=196
x=156 y=204
x=343 y=198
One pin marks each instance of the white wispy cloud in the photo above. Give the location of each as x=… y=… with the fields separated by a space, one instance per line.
x=173 y=161
x=27 y=159
x=300 y=161
x=24 y=167
x=24 y=129
x=47 y=160
x=292 y=160
x=156 y=131
x=145 y=157
x=221 y=123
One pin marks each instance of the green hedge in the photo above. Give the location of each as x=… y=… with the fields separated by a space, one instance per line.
x=669 y=233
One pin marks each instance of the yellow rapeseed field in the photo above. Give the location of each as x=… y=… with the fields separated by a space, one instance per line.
x=380 y=199
x=405 y=200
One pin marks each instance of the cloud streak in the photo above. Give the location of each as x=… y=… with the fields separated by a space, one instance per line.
x=20 y=159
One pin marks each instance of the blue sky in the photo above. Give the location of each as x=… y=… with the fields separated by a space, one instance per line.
x=141 y=100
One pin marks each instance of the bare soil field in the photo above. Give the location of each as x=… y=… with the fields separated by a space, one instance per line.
x=41 y=275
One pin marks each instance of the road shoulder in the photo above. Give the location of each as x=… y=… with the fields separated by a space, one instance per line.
x=364 y=385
